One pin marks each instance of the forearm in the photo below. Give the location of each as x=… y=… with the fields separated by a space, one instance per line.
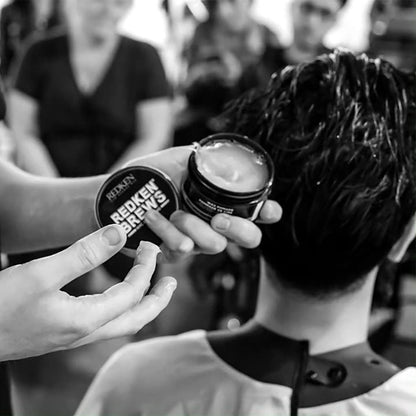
x=142 y=148
x=33 y=156
x=39 y=213
x=154 y=122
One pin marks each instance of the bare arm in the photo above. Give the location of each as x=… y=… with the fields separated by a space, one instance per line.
x=32 y=154
x=154 y=130
x=37 y=317
x=38 y=213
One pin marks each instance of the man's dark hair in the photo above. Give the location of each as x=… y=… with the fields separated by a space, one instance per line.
x=342 y=134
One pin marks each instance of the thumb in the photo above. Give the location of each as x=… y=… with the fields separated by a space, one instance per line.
x=85 y=255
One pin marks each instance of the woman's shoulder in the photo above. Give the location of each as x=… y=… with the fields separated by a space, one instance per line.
x=52 y=41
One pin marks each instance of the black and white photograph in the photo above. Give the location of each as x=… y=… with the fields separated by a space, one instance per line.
x=208 y=207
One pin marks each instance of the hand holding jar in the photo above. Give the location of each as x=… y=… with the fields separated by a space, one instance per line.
x=130 y=197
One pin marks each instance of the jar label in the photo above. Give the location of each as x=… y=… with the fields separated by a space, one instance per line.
x=127 y=195
x=204 y=207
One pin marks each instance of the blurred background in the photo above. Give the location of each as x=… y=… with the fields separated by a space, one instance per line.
x=202 y=53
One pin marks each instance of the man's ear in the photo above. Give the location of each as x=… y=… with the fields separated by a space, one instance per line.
x=399 y=249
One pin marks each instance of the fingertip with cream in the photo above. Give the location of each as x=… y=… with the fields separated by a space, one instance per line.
x=146 y=248
x=167 y=285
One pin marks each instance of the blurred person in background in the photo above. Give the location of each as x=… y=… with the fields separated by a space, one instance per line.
x=311 y=20
x=230 y=33
x=220 y=49
x=393 y=32
x=87 y=100
x=19 y=20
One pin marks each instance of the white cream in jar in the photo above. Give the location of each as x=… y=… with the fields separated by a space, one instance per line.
x=232 y=166
x=227 y=174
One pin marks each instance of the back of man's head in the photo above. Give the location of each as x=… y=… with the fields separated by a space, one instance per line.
x=342 y=133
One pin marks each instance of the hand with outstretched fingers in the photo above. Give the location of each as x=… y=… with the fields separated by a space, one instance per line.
x=37 y=317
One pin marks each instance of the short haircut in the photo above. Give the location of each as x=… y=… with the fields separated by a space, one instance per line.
x=341 y=131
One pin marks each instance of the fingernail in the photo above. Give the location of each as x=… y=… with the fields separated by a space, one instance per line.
x=111 y=236
x=221 y=222
x=275 y=215
x=271 y=213
x=186 y=246
x=147 y=245
x=165 y=287
x=151 y=216
x=171 y=287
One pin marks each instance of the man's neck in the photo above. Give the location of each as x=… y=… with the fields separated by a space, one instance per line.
x=328 y=325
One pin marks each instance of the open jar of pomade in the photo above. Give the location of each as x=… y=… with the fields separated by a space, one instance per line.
x=229 y=174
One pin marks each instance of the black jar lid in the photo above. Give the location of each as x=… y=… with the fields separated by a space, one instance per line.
x=128 y=194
